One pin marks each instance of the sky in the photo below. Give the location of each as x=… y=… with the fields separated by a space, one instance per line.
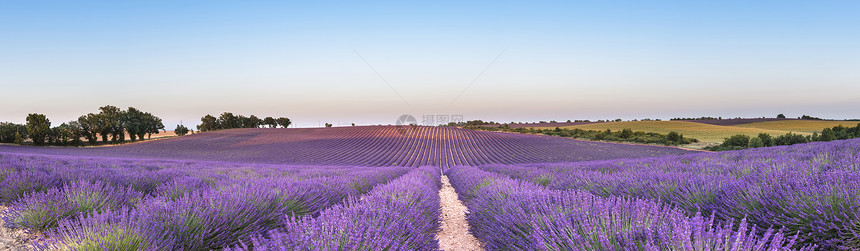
x=347 y=62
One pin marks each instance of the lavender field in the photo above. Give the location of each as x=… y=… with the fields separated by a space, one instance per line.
x=376 y=188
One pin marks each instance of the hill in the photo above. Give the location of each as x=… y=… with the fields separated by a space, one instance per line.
x=364 y=146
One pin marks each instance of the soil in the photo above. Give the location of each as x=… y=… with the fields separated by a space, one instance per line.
x=454 y=234
x=13 y=239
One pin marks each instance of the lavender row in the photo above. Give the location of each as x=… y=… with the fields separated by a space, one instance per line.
x=812 y=190
x=509 y=214
x=201 y=205
x=412 y=146
x=401 y=215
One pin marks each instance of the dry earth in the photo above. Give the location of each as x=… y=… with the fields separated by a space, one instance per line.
x=13 y=239
x=455 y=229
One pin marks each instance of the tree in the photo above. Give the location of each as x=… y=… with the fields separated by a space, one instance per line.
x=10 y=131
x=739 y=141
x=89 y=127
x=253 y=122
x=271 y=122
x=110 y=123
x=208 y=123
x=227 y=121
x=133 y=119
x=353 y=124
x=780 y=116
x=328 y=125
x=75 y=132
x=284 y=122
x=152 y=125
x=180 y=130
x=39 y=128
x=766 y=139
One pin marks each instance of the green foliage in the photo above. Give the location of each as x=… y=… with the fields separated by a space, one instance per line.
x=38 y=127
x=270 y=121
x=180 y=130
x=764 y=140
x=228 y=120
x=328 y=124
x=625 y=135
x=9 y=132
x=284 y=122
x=780 y=116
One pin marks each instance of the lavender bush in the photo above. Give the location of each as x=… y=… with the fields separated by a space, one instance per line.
x=810 y=190
x=401 y=215
x=509 y=214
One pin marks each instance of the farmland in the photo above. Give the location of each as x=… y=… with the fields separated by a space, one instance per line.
x=714 y=132
x=364 y=146
x=377 y=187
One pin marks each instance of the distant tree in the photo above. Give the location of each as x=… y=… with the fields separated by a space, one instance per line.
x=271 y=122
x=208 y=123
x=739 y=140
x=253 y=122
x=766 y=139
x=755 y=142
x=284 y=122
x=626 y=133
x=827 y=135
x=76 y=132
x=152 y=125
x=110 y=123
x=810 y=117
x=353 y=124
x=328 y=125
x=674 y=137
x=568 y=121
x=780 y=116
x=10 y=131
x=180 y=130
x=89 y=127
x=227 y=121
x=38 y=127
x=133 y=119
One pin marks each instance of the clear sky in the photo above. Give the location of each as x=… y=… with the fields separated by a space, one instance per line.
x=495 y=60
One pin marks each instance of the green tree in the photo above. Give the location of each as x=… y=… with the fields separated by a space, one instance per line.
x=780 y=116
x=284 y=122
x=89 y=127
x=766 y=139
x=739 y=141
x=271 y=122
x=38 y=127
x=180 y=130
x=110 y=123
x=208 y=123
x=328 y=125
x=133 y=119
x=8 y=132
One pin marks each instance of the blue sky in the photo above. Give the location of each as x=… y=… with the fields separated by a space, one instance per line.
x=555 y=60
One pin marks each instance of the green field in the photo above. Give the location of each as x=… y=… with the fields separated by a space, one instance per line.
x=714 y=134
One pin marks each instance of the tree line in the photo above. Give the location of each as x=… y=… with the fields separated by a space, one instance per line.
x=625 y=135
x=740 y=141
x=228 y=120
x=111 y=122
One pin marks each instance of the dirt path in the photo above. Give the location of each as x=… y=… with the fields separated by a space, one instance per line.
x=13 y=239
x=455 y=229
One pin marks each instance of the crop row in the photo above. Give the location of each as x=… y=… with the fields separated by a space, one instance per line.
x=411 y=146
x=513 y=215
x=401 y=215
x=809 y=190
x=97 y=204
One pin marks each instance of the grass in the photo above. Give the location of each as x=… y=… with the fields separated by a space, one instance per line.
x=806 y=126
x=707 y=134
